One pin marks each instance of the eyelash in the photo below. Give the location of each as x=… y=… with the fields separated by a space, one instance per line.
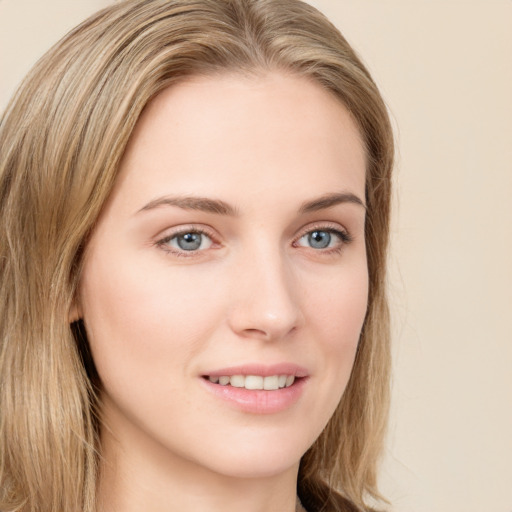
x=163 y=243
x=343 y=235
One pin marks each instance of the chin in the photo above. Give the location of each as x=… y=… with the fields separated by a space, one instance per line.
x=250 y=468
x=258 y=458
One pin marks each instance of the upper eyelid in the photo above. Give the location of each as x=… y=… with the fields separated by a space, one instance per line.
x=180 y=230
x=322 y=226
x=193 y=228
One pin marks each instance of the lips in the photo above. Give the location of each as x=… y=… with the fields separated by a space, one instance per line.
x=258 y=389
x=259 y=369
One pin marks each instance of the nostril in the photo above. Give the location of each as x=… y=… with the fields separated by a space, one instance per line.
x=255 y=332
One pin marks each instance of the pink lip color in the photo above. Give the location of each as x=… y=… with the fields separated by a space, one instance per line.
x=259 y=401
x=261 y=369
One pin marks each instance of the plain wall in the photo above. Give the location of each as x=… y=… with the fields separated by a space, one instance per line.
x=445 y=69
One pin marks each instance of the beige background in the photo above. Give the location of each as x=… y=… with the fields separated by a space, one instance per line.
x=445 y=68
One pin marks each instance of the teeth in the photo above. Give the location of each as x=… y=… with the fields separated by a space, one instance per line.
x=237 y=381
x=253 y=382
x=270 y=383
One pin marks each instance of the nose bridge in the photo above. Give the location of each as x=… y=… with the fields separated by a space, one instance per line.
x=265 y=303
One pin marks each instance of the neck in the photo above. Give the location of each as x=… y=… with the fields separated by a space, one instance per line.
x=148 y=478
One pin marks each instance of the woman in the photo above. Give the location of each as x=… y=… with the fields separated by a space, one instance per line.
x=194 y=210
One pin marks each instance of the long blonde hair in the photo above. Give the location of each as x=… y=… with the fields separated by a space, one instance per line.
x=62 y=138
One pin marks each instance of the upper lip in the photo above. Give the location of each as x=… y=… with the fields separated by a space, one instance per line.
x=264 y=370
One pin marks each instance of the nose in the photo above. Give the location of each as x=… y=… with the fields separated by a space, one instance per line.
x=265 y=299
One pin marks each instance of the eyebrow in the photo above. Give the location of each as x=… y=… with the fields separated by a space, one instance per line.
x=220 y=207
x=330 y=200
x=203 y=204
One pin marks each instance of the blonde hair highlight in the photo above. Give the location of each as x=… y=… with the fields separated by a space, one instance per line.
x=62 y=138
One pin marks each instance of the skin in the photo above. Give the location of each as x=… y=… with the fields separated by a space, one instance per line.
x=159 y=318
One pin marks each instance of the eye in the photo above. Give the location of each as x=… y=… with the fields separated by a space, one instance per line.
x=186 y=241
x=318 y=239
x=321 y=239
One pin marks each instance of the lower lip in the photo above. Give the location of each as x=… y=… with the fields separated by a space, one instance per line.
x=258 y=401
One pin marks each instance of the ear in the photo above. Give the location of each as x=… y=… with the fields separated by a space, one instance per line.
x=75 y=312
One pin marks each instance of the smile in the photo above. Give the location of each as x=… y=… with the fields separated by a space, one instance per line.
x=258 y=388
x=252 y=382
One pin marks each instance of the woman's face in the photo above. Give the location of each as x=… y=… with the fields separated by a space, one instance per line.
x=230 y=253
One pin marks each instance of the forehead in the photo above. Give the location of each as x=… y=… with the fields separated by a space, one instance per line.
x=229 y=133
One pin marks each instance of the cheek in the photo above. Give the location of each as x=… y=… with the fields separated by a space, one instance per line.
x=140 y=320
x=344 y=317
x=337 y=314
x=338 y=307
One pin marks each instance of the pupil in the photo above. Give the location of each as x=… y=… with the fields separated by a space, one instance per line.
x=189 y=241
x=320 y=239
